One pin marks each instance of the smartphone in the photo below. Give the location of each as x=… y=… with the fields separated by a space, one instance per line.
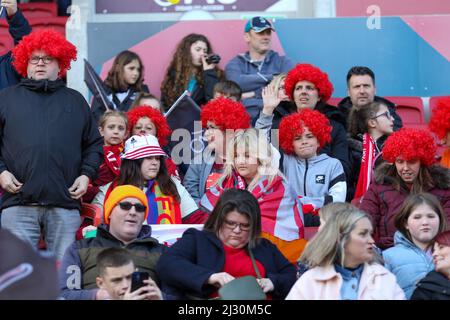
x=137 y=280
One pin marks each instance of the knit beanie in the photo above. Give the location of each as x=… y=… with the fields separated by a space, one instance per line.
x=121 y=192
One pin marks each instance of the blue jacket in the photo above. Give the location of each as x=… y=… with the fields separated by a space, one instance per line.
x=254 y=77
x=407 y=262
x=18 y=28
x=186 y=266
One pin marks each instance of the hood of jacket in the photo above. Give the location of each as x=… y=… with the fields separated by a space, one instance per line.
x=332 y=112
x=400 y=239
x=440 y=175
x=46 y=86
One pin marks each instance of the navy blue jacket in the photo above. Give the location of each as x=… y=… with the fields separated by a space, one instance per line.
x=186 y=266
x=18 y=28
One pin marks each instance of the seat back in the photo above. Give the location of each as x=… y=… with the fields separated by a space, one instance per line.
x=39 y=9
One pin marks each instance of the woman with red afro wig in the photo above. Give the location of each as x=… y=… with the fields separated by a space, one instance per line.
x=148 y=120
x=440 y=125
x=51 y=42
x=308 y=87
x=221 y=118
x=316 y=179
x=410 y=154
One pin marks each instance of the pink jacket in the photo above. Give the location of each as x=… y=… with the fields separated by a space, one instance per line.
x=324 y=283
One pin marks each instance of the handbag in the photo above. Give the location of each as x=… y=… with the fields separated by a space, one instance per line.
x=244 y=288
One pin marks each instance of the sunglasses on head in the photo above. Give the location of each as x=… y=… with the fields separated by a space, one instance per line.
x=127 y=206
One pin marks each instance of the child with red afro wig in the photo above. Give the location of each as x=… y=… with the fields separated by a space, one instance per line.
x=308 y=72
x=51 y=42
x=155 y=117
x=316 y=179
x=440 y=125
x=410 y=144
x=226 y=114
x=294 y=125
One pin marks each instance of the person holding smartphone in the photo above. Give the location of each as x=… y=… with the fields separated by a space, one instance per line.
x=118 y=278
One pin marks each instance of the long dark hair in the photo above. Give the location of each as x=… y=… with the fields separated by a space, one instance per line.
x=130 y=173
x=360 y=116
x=422 y=183
x=181 y=68
x=115 y=79
x=241 y=201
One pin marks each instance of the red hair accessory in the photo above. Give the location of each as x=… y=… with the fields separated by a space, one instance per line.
x=308 y=72
x=162 y=128
x=410 y=144
x=294 y=125
x=440 y=119
x=51 y=42
x=226 y=114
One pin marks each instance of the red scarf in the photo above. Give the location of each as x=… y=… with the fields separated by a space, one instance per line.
x=112 y=157
x=367 y=162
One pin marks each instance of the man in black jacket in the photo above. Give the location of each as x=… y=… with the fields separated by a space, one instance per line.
x=361 y=90
x=18 y=27
x=49 y=144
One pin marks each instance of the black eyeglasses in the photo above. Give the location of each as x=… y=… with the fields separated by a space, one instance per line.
x=232 y=225
x=45 y=59
x=387 y=114
x=137 y=206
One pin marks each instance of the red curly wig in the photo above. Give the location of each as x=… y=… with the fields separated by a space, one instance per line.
x=52 y=42
x=440 y=119
x=226 y=114
x=410 y=144
x=162 y=128
x=308 y=72
x=293 y=126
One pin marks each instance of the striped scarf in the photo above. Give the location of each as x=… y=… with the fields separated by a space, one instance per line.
x=367 y=162
x=280 y=214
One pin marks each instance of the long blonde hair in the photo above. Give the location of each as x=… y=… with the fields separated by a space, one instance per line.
x=257 y=145
x=327 y=247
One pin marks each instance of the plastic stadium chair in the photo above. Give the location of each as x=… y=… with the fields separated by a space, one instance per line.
x=39 y=9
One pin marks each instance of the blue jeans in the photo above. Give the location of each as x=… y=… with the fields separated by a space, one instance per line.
x=59 y=226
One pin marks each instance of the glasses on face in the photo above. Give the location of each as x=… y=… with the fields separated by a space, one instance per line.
x=232 y=225
x=137 y=206
x=387 y=114
x=45 y=59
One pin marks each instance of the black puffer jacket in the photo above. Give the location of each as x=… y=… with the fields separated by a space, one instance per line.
x=435 y=286
x=48 y=139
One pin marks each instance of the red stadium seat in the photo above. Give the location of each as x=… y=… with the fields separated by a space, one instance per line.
x=334 y=101
x=310 y=232
x=39 y=9
x=57 y=23
x=410 y=110
x=91 y=212
x=6 y=43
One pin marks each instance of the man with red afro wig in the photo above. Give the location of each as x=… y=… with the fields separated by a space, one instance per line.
x=221 y=118
x=308 y=87
x=50 y=145
x=440 y=125
x=410 y=169
x=144 y=120
x=316 y=179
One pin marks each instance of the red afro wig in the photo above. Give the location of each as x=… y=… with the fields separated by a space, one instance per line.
x=226 y=114
x=52 y=42
x=162 y=128
x=293 y=126
x=308 y=72
x=440 y=119
x=410 y=144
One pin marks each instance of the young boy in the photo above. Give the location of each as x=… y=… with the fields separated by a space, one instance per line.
x=316 y=178
x=228 y=89
x=115 y=267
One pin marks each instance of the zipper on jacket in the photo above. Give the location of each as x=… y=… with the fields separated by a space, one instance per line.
x=304 y=177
